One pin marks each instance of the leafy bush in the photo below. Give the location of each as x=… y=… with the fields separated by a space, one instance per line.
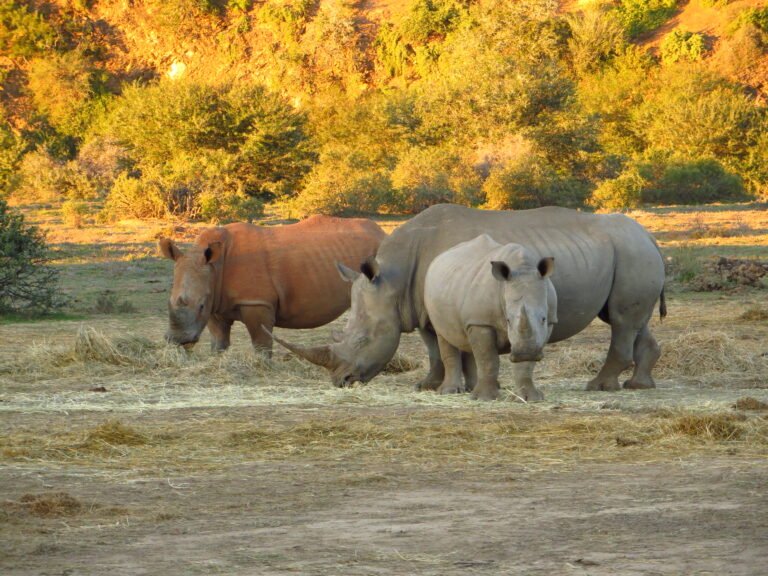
x=41 y=178
x=639 y=16
x=63 y=88
x=694 y=114
x=693 y=182
x=229 y=207
x=682 y=45
x=344 y=182
x=620 y=193
x=427 y=176
x=27 y=281
x=595 y=37
x=102 y=160
x=135 y=198
x=427 y=19
x=24 y=32
x=10 y=155
x=530 y=183
x=185 y=137
x=74 y=212
x=757 y=17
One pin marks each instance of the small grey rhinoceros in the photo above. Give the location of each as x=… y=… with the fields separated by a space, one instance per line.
x=485 y=298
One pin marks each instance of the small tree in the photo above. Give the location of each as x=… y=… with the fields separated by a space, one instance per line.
x=27 y=282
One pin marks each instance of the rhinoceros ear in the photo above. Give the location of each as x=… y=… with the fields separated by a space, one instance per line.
x=546 y=266
x=347 y=274
x=169 y=249
x=213 y=252
x=370 y=268
x=501 y=271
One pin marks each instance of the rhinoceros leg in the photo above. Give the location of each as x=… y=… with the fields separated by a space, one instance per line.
x=646 y=353
x=452 y=382
x=482 y=339
x=619 y=359
x=220 y=330
x=434 y=378
x=523 y=376
x=469 y=367
x=254 y=317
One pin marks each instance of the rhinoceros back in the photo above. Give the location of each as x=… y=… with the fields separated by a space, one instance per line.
x=293 y=268
x=584 y=247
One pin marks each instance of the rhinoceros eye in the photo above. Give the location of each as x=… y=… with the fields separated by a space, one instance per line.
x=201 y=307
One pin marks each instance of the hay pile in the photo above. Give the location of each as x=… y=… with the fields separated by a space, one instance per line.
x=705 y=353
x=697 y=354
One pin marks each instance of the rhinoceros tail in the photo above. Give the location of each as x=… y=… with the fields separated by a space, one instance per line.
x=662 y=305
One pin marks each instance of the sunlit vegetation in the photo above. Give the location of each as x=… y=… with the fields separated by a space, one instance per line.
x=224 y=110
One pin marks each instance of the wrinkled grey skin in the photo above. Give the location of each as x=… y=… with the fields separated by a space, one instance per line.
x=607 y=266
x=485 y=298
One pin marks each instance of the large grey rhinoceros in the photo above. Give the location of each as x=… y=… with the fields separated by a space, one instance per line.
x=607 y=266
x=485 y=298
x=264 y=276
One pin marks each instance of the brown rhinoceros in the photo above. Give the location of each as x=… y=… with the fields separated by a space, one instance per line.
x=608 y=266
x=264 y=276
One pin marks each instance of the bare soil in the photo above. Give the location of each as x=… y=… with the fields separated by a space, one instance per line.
x=697 y=516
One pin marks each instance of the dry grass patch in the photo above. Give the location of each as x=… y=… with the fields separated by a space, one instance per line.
x=749 y=403
x=718 y=427
x=48 y=505
x=113 y=433
x=424 y=437
x=707 y=352
x=754 y=314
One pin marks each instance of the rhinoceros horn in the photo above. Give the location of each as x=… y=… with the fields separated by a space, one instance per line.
x=320 y=355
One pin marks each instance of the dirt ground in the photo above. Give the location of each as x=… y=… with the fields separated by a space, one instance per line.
x=121 y=456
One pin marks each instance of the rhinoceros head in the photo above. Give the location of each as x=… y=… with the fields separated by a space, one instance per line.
x=372 y=333
x=527 y=308
x=191 y=300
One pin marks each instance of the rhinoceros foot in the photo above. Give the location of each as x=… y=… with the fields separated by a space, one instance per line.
x=603 y=384
x=529 y=394
x=452 y=388
x=485 y=393
x=428 y=383
x=639 y=384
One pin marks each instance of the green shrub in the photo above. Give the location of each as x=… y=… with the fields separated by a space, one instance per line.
x=28 y=283
x=620 y=193
x=693 y=182
x=530 y=183
x=427 y=176
x=24 y=32
x=694 y=114
x=41 y=178
x=757 y=17
x=62 y=87
x=10 y=155
x=343 y=183
x=102 y=160
x=595 y=37
x=185 y=138
x=639 y=16
x=229 y=207
x=135 y=198
x=427 y=19
x=682 y=45
x=74 y=212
